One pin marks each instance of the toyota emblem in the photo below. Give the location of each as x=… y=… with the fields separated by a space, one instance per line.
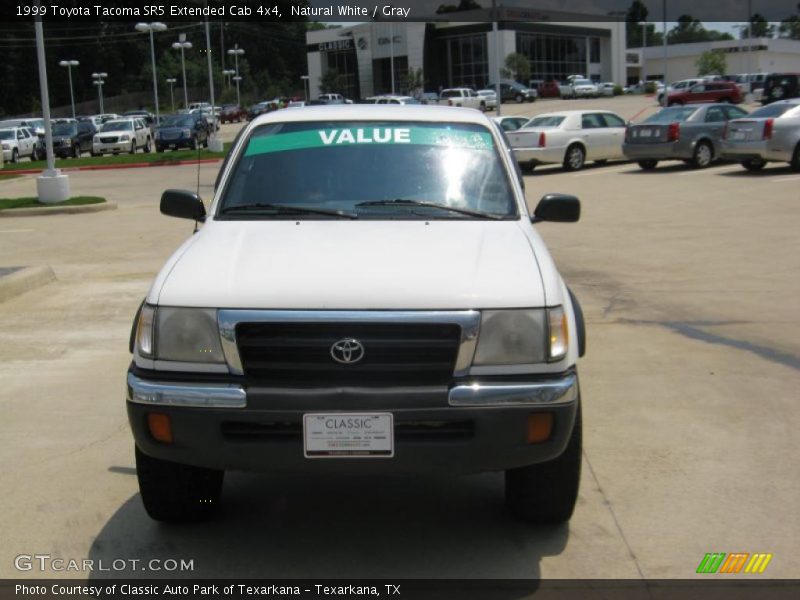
x=347 y=351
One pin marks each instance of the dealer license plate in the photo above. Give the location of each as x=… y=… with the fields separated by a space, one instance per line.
x=348 y=435
x=645 y=133
x=738 y=135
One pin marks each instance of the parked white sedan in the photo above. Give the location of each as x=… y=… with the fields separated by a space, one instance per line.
x=570 y=138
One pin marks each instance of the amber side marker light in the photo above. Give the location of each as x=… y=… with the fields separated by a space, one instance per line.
x=160 y=427
x=540 y=425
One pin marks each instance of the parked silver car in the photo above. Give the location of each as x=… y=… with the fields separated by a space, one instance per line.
x=570 y=138
x=769 y=134
x=692 y=133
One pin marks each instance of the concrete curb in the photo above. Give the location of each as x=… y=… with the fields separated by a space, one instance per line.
x=176 y=163
x=57 y=210
x=27 y=278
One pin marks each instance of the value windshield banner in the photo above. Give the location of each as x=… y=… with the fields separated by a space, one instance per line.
x=351 y=136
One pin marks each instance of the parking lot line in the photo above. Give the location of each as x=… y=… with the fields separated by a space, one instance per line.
x=602 y=170
x=16 y=230
x=784 y=179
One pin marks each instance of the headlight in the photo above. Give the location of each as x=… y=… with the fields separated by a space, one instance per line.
x=96 y=140
x=179 y=334
x=519 y=337
x=185 y=131
x=157 y=135
x=124 y=138
x=6 y=147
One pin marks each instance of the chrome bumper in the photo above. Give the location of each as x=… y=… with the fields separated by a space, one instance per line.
x=205 y=395
x=552 y=392
x=544 y=393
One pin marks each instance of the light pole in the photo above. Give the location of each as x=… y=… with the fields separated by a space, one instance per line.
x=305 y=86
x=214 y=143
x=236 y=52
x=150 y=28
x=644 y=50
x=171 y=81
x=182 y=45
x=228 y=73
x=99 y=80
x=69 y=64
x=664 y=46
x=51 y=186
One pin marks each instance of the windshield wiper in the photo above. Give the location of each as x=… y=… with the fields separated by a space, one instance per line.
x=288 y=209
x=407 y=202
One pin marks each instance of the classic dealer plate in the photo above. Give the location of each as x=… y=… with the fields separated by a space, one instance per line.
x=348 y=435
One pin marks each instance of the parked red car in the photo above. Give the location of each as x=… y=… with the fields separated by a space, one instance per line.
x=232 y=113
x=549 y=89
x=707 y=91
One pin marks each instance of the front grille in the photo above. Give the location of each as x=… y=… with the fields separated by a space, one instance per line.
x=299 y=354
x=109 y=140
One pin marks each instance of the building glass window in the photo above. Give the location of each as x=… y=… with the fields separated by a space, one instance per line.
x=555 y=57
x=594 y=50
x=346 y=65
x=468 y=62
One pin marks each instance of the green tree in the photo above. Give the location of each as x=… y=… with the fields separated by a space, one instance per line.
x=413 y=82
x=331 y=82
x=759 y=27
x=711 y=62
x=790 y=28
x=518 y=67
x=687 y=30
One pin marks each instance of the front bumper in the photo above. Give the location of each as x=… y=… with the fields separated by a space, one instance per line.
x=468 y=428
x=105 y=148
x=175 y=142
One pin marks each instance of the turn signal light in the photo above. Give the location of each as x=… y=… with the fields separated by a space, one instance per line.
x=540 y=426
x=160 y=427
x=768 y=124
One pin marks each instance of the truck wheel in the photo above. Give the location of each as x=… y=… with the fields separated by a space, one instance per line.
x=703 y=155
x=483 y=107
x=133 y=147
x=546 y=493
x=574 y=158
x=177 y=493
x=15 y=156
x=519 y=99
x=648 y=165
x=528 y=167
x=147 y=147
x=755 y=164
x=76 y=151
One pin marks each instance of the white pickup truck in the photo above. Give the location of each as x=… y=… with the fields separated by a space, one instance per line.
x=390 y=310
x=464 y=97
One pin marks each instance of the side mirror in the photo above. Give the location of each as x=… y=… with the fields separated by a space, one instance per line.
x=559 y=208
x=183 y=204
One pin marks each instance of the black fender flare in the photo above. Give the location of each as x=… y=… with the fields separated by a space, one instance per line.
x=580 y=325
x=132 y=340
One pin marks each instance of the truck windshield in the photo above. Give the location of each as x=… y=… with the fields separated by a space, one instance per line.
x=378 y=170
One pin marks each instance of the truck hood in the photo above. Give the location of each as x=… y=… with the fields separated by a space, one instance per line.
x=329 y=265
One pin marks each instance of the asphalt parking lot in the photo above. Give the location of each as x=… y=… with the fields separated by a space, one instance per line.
x=688 y=280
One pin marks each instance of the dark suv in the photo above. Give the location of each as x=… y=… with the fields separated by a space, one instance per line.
x=780 y=86
x=72 y=139
x=512 y=90
x=707 y=91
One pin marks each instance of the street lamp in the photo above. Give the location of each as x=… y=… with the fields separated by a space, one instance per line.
x=171 y=81
x=150 y=28
x=69 y=64
x=182 y=45
x=236 y=52
x=227 y=73
x=305 y=89
x=99 y=81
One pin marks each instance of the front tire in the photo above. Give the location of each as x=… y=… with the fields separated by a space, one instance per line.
x=147 y=147
x=519 y=99
x=133 y=148
x=76 y=151
x=574 y=158
x=754 y=165
x=546 y=493
x=15 y=156
x=795 y=164
x=174 y=492
x=703 y=155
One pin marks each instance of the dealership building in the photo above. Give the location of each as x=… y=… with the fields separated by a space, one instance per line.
x=759 y=55
x=465 y=53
